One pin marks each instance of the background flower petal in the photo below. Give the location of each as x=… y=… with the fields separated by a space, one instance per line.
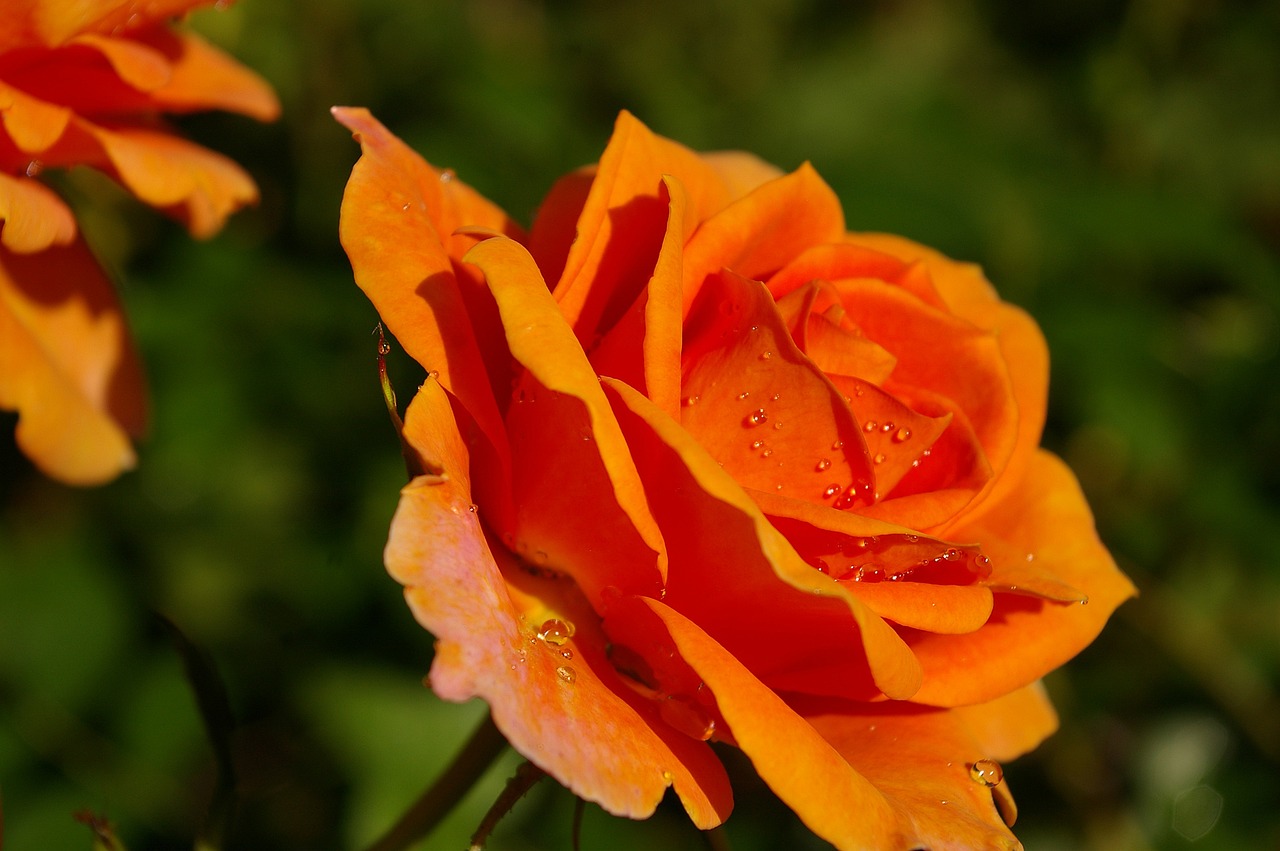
x=67 y=365
x=32 y=217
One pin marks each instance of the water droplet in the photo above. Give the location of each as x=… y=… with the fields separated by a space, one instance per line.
x=857 y=389
x=869 y=572
x=756 y=444
x=1031 y=556
x=777 y=425
x=766 y=355
x=987 y=772
x=755 y=327
x=776 y=396
x=689 y=401
x=869 y=426
x=766 y=453
x=887 y=427
x=687 y=716
x=447 y=175
x=1084 y=601
x=566 y=673
x=904 y=433
x=566 y=653
x=473 y=508
x=880 y=458
x=824 y=464
x=846 y=499
x=405 y=206
x=755 y=418
x=744 y=394
x=831 y=491
x=778 y=486
x=668 y=778
x=911 y=539
x=556 y=632
x=837 y=445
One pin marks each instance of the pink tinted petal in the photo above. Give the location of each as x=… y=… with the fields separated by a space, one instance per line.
x=561 y=705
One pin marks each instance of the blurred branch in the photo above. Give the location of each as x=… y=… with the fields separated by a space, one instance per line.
x=526 y=777
x=215 y=711
x=484 y=746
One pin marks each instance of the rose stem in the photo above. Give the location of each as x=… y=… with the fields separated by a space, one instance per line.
x=526 y=776
x=484 y=746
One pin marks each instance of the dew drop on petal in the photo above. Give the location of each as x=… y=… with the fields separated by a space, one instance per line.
x=776 y=396
x=405 y=207
x=911 y=539
x=831 y=491
x=755 y=418
x=880 y=458
x=766 y=355
x=756 y=444
x=836 y=445
x=824 y=464
x=566 y=653
x=903 y=434
x=869 y=426
x=987 y=772
x=556 y=632
x=887 y=427
x=668 y=778
x=744 y=394
x=447 y=175
x=766 y=453
x=777 y=425
x=689 y=401
x=566 y=673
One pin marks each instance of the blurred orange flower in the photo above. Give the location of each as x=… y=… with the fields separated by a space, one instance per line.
x=87 y=83
x=701 y=465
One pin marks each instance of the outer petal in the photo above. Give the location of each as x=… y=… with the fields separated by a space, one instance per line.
x=1012 y=725
x=919 y=759
x=1026 y=637
x=67 y=366
x=34 y=218
x=803 y=769
x=622 y=222
x=397 y=214
x=202 y=77
x=561 y=705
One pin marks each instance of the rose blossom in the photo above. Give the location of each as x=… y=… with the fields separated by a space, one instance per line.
x=86 y=84
x=700 y=465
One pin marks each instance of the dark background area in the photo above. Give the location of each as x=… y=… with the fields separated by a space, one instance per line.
x=1114 y=166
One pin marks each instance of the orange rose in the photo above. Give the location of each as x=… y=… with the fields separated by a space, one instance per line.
x=86 y=84
x=702 y=465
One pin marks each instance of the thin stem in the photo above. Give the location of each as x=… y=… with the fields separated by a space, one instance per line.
x=484 y=746
x=526 y=776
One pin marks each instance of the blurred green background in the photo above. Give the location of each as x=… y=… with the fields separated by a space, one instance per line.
x=1115 y=166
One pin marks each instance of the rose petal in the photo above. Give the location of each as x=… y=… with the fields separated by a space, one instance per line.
x=760 y=407
x=67 y=366
x=816 y=635
x=820 y=329
x=1011 y=725
x=622 y=223
x=573 y=717
x=393 y=214
x=947 y=355
x=835 y=801
x=577 y=495
x=1026 y=637
x=643 y=349
x=758 y=234
x=919 y=759
x=835 y=262
x=33 y=217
